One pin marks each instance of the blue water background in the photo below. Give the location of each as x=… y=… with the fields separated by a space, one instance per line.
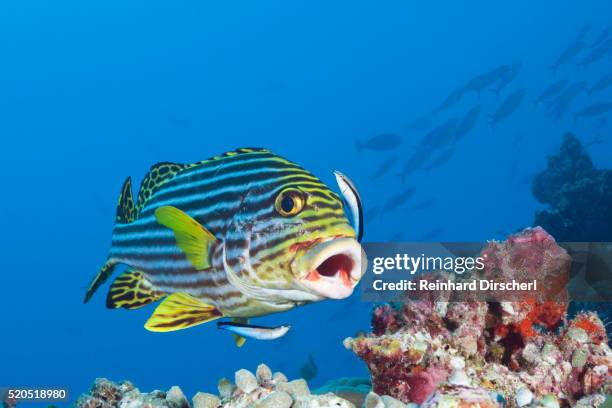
x=91 y=92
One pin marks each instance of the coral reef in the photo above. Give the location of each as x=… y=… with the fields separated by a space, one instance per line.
x=262 y=389
x=579 y=196
x=107 y=394
x=435 y=353
x=515 y=353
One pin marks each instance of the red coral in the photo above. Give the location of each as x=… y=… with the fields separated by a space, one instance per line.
x=548 y=314
x=590 y=323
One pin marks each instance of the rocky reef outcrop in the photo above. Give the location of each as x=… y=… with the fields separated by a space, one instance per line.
x=262 y=389
x=578 y=194
x=515 y=353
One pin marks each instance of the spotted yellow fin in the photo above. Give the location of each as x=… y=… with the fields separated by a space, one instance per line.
x=238 y=339
x=131 y=290
x=180 y=311
x=158 y=174
x=193 y=239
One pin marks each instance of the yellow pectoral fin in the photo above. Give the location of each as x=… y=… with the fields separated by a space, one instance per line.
x=193 y=239
x=131 y=290
x=180 y=311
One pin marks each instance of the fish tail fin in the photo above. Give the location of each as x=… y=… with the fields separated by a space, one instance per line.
x=238 y=339
x=125 y=206
x=132 y=290
x=103 y=274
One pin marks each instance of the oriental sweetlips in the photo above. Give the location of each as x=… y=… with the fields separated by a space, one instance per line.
x=240 y=235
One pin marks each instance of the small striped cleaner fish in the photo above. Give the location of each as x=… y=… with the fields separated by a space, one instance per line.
x=244 y=234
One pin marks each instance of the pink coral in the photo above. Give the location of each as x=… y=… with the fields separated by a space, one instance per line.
x=424 y=383
x=514 y=343
x=384 y=318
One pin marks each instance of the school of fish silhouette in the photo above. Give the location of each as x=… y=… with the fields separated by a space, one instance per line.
x=433 y=138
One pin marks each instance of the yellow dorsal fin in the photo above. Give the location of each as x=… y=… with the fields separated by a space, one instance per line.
x=193 y=239
x=131 y=290
x=238 y=339
x=180 y=311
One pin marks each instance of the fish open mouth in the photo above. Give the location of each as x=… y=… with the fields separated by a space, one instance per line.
x=331 y=268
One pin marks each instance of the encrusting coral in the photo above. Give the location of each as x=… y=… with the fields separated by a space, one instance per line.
x=515 y=353
x=262 y=389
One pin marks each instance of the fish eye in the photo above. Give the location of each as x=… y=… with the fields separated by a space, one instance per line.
x=289 y=202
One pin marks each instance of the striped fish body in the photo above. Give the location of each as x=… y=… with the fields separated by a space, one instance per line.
x=275 y=237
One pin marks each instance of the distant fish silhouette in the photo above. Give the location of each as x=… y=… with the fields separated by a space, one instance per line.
x=559 y=106
x=441 y=160
x=467 y=123
x=551 y=91
x=517 y=140
x=603 y=83
x=414 y=163
x=487 y=79
x=451 y=100
x=507 y=107
x=309 y=370
x=599 y=139
x=439 y=136
x=584 y=30
x=603 y=36
x=568 y=54
x=595 y=55
x=423 y=205
x=399 y=199
x=509 y=75
x=593 y=111
x=382 y=142
x=384 y=167
x=419 y=124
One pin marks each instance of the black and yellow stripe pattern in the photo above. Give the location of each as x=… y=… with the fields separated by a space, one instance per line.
x=235 y=197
